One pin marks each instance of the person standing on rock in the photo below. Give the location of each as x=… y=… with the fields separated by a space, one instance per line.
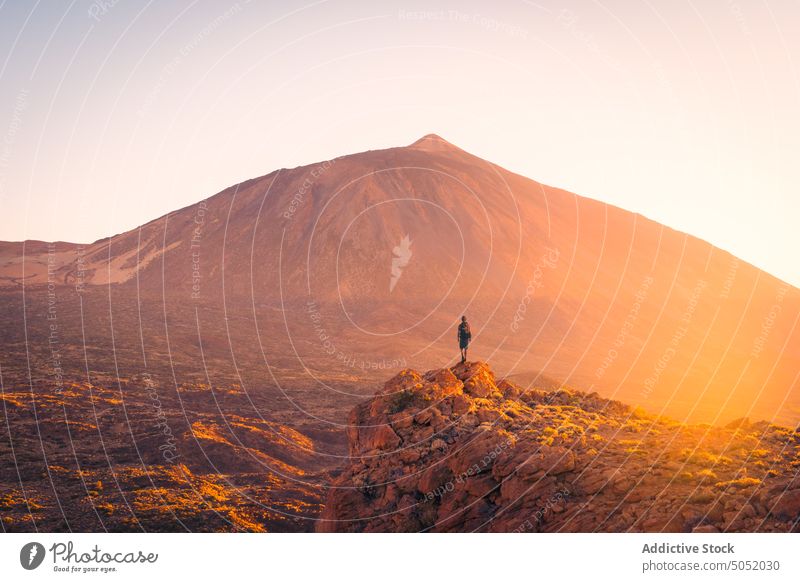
x=464 y=337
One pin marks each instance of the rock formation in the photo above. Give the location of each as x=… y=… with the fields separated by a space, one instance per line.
x=456 y=450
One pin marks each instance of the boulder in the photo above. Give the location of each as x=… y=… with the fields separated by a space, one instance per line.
x=509 y=390
x=369 y=439
x=592 y=482
x=787 y=505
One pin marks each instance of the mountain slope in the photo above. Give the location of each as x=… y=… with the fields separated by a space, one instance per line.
x=297 y=268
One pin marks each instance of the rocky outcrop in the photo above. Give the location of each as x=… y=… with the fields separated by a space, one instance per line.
x=456 y=450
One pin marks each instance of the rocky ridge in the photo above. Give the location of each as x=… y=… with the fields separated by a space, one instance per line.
x=456 y=450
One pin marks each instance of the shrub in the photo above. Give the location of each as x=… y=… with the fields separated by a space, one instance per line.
x=706 y=474
x=741 y=483
x=401 y=400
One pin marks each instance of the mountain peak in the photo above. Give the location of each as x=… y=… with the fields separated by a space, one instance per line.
x=433 y=143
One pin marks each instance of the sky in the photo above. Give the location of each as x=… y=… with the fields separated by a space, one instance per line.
x=115 y=112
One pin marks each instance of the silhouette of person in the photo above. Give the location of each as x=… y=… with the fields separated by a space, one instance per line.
x=464 y=337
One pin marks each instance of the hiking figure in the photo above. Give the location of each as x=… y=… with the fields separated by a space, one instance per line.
x=464 y=336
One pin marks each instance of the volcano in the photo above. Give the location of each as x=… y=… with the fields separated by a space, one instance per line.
x=341 y=270
x=203 y=365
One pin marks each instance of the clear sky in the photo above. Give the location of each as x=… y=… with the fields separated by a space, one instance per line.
x=114 y=112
